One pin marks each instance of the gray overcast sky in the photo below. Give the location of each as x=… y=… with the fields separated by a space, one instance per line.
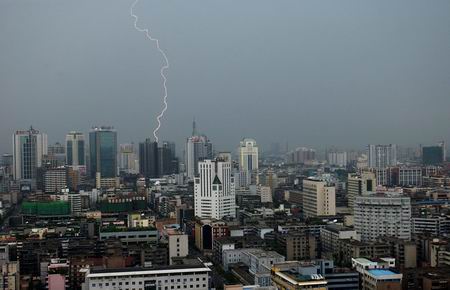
x=314 y=72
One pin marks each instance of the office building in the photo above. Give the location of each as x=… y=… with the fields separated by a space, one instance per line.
x=75 y=149
x=382 y=214
x=148 y=158
x=405 y=176
x=155 y=161
x=382 y=156
x=198 y=147
x=29 y=148
x=167 y=160
x=128 y=159
x=168 y=277
x=103 y=152
x=359 y=184
x=319 y=198
x=57 y=154
x=433 y=155
x=248 y=158
x=55 y=179
x=214 y=192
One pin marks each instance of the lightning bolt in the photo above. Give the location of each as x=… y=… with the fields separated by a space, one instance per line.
x=163 y=68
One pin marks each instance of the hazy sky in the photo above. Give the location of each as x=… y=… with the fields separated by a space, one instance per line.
x=312 y=72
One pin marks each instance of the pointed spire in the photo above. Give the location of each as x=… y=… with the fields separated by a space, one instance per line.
x=194 y=128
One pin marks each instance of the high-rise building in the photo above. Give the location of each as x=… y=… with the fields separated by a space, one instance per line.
x=75 y=149
x=103 y=152
x=167 y=160
x=128 y=160
x=198 y=147
x=56 y=155
x=248 y=155
x=319 y=198
x=382 y=214
x=29 y=147
x=301 y=155
x=148 y=158
x=214 y=192
x=359 y=184
x=55 y=179
x=382 y=156
x=155 y=161
x=337 y=158
x=248 y=160
x=433 y=155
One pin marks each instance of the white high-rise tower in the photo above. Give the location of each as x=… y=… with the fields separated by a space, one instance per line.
x=214 y=192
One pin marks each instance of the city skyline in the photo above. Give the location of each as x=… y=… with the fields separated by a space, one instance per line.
x=333 y=84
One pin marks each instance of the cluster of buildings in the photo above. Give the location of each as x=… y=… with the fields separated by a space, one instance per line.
x=95 y=214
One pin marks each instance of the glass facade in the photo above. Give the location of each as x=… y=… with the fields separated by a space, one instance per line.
x=29 y=155
x=69 y=152
x=103 y=153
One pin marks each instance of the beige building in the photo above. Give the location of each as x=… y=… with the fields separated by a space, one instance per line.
x=266 y=194
x=10 y=277
x=288 y=276
x=358 y=184
x=178 y=246
x=319 y=198
x=297 y=245
x=378 y=275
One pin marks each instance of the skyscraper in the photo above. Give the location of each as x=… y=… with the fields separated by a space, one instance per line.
x=248 y=155
x=433 y=155
x=198 y=148
x=128 y=160
x=382 y=156
x=214 y=192
x=148 y=158
x=248 y=160
x=75 y=146
x=167 y=160
x=103 y=152
x=155 y=161
x=29 y=147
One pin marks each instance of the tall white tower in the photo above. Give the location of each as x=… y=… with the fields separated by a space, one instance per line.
x=214 y=192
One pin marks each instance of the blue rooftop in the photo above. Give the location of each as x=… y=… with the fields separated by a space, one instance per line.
x=381 y=272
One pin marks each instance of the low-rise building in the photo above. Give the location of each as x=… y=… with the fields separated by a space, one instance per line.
x=292 y=276
x=130 y=235
x=171 y=277
x=377 y=275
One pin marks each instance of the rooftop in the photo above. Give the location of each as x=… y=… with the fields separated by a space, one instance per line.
x=382 y=272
